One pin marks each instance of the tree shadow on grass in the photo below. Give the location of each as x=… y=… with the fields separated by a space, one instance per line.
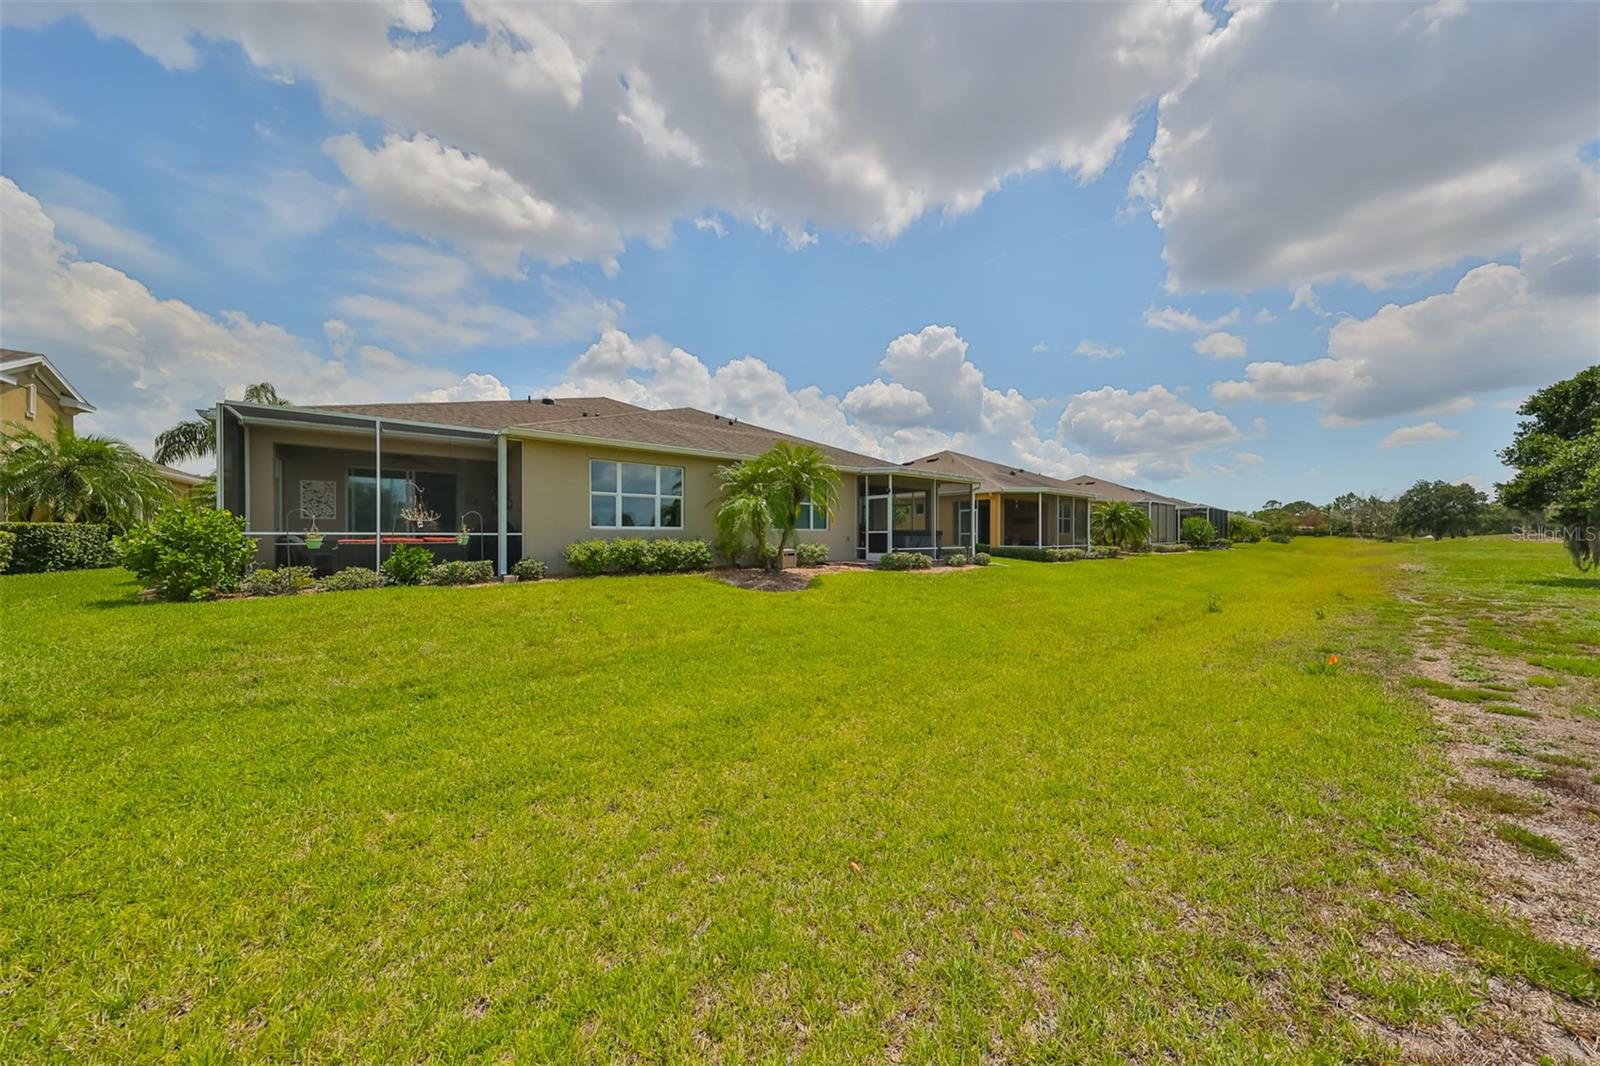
x=1566 y=582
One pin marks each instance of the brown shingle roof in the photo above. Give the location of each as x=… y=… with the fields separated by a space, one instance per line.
x=686 y=427
x=994 y=477
x=1113 y=491
x=488 y=414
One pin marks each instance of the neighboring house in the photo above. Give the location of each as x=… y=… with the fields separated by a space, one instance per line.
x=511 y=479
x=1163 y=510
x=1011 y=506
x=1217 y=516
x=181 y=482
x=35 y=395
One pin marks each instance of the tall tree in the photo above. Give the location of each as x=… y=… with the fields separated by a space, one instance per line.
x=197 y=437
x=766 y=494
x=1440 y=509
x=78 y=479
x=1556 y=452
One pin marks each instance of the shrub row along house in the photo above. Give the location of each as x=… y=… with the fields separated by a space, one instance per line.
x=341 y=485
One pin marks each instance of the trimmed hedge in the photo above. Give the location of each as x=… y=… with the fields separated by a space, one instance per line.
x=981 y=559
x=460 y=572
x=905 y=561
x=47 y=547
x=1016 y=551
x=811 y=554
x=528 y=569
x=351 y=577
x=1169 y=549
x=283 y=581
x=956 y=559
x=631 y=555
x=8 y=541
x=1106 y=551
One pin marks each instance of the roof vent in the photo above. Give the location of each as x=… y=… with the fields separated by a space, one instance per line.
x=548 y=401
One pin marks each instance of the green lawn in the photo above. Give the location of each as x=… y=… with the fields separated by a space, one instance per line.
x=1030 y=810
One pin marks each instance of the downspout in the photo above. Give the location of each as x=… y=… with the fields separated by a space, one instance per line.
x=377 y=489
x=220 y=435
x=500 y=464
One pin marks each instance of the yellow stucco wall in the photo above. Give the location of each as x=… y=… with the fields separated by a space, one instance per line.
x=555 y=500
x=47 y=409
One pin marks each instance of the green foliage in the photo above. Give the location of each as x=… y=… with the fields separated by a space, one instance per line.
x=197 y=437
x=633 y=556
x=811 y=554
x=188 y=553
x=8 y=543
x=1120 y=524
x=351 y=578
x=764 y=495
x=1065 y=555
x=1197 y=532
x=587 y=557
x=905 y=561
x=1106 y=551
x=1495 y=801
x=460 y=572
x=78 y=479
x=1280 y=538
x=957 y=559
x=45 y=547
x=981 y=559
x=1440 y=509
x=283 y=581
x=1169 y=549
x=408 y=564
x=1244 y=528
x=1016 y=551
x=1536 y=844
x=1556 y=452
x=529 y=569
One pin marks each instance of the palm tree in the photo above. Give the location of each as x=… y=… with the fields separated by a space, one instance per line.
x=78 y=479
x=197 y=437
x=1122 y=524
x=766 y=493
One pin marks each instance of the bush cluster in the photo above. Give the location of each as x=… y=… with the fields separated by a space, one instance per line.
x=1169 y=549
x=528 y=569
x=905 y=561
x=188 y=553
x=981 y=559
x=1065 y=555
x=1279 y=538
x=1197 y=532
x=1015 y=551
x=634 y=556
x=956 y=559
x=1105 y=551
x=46 y=547
x=408 y=564
x=811 y=554
x=8 y=542
x=351 y=577
x=280 y=582
x=460 y=572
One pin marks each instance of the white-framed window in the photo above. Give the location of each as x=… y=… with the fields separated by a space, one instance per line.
x=812 y=516
x=33 y=401
x=963 y=521
x=634 y=495
x=1064 y=516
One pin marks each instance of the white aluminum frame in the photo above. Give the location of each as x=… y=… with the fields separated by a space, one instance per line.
x=618 y=493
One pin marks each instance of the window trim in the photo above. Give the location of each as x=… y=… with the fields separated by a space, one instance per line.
x=32 y=410
x=813 y=514
x=617 y=494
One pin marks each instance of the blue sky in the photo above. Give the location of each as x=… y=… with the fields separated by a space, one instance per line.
x=1224 y=269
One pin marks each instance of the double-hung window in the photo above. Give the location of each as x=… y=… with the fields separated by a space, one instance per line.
x=812 y=516
x=635 y=495
x=1064 y=517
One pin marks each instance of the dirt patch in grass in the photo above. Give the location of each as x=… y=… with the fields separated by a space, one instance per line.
x=799 y=578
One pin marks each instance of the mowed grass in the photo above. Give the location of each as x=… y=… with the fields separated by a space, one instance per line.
x=1028 y=810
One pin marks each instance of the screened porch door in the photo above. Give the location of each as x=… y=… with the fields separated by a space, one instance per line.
x=878 y=512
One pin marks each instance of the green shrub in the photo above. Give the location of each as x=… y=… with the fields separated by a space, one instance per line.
x=811 y=554
x=1279 y=538
x=408 y=565
x=46 y=547
x=905 y=561
x=351 y=577
x=668 y=556
x=188 y=553
x=956 y=559
x=586 y=556
x=280 y=582
x=1247 y=529
x=1197 y=531
x=8 y=541
x=981 y=559
x=1105 y=551
x=528 y=569
x=460 y=572
x=1016 y=551
x=1169 y=549
x=627 y=555
x=1065 y=555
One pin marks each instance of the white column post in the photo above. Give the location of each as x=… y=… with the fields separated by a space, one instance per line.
x=244 y=465
x=972 y=517
x=1088 y=522
x=500 y=505
x=219 y=456
x=377 y=489
x=1040 y=516
x=891 y=512
x=935 y=494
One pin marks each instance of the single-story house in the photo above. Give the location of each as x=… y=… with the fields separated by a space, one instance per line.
x=1011 y=506
x=1217 y=516
x=1163 y=510
x=511 y=479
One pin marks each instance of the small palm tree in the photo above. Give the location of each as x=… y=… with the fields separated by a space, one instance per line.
x=765 y=494
x=194 y=438
x=1122 y=524
x=78 y=479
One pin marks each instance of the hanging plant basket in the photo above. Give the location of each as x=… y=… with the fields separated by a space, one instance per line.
x=463 y=539
x=314 y=540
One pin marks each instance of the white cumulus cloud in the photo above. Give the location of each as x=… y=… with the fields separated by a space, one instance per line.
x=1426 y=433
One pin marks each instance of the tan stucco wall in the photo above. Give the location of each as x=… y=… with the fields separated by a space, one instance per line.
x=555 y=500
x=14 y=404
